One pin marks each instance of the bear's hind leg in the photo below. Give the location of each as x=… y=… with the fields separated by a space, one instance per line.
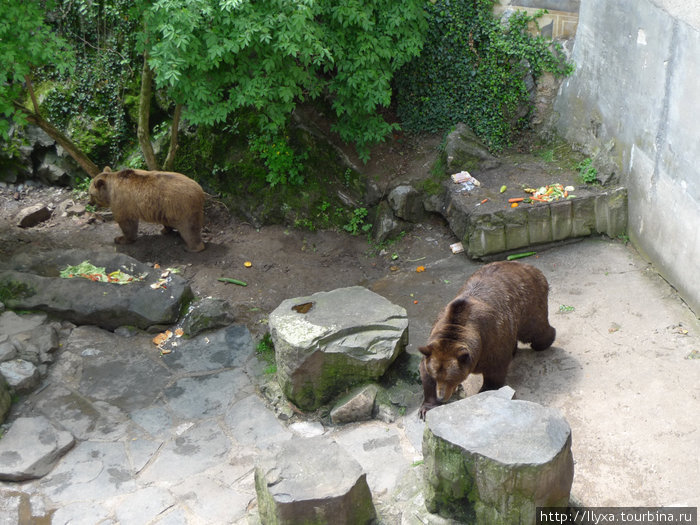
x=545 y=339
x=493 y=380
x=191 y=233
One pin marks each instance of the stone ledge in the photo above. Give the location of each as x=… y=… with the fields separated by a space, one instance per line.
x=496 y=228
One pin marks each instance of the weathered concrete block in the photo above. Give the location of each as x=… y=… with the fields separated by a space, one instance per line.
x=562 y=220
x=516 y=229
x=330 y=341
x=486 y=235
x=492 y=460
x=583 y=210
x=312 y=482
x=539 y=224
x=611 y=212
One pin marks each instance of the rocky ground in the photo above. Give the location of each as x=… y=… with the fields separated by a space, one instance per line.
x=621 y=371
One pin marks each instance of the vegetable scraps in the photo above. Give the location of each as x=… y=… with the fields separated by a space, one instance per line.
x=87 y=270
x=549 y=193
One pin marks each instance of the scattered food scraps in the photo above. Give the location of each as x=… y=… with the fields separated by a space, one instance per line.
x=420 y=269
x=566 y=308
x=247 y=264
x=514 y=204
x=549 y=193
x=457 y=247
x=468 y=182
x=303 y=308
x=503 y=188
x=87 y=270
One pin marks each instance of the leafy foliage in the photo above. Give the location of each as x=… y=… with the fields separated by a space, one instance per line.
x=284 y=165
x=471 y=70
x=26 y=43
x=217 y=57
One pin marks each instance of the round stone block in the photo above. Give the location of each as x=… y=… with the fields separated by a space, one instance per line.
x=312 y=482
x=493 y=460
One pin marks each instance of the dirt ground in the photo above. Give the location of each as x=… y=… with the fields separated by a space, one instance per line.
x=286 y=262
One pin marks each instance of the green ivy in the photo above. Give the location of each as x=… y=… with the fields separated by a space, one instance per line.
x=472 y=70
x=283 y=164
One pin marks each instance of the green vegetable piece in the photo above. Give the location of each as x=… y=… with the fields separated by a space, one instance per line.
x=232 y=281
x=504 y=188
x=520 y=255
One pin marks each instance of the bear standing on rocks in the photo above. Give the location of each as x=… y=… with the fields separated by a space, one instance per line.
x=161 y=197
x=478 y=332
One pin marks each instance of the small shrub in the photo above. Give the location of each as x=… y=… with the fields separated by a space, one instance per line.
x=587 y=172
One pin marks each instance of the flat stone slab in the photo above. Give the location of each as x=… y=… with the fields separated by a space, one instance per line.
x=31 y=448
x=312 y=481
x=34 y=284
x=330 y=341
x=489 y=459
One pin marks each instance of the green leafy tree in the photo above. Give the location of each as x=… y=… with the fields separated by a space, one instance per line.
x=27 y=44
x=218 y=56
x=472 y=69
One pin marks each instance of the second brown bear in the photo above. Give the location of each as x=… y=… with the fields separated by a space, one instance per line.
x=478 y=331
x=162 y=197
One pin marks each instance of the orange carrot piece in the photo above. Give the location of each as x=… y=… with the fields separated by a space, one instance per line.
x=517 y=199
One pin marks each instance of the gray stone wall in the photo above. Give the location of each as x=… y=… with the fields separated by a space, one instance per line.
x=632 y=105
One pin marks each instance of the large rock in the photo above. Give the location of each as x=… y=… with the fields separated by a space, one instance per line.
x=464 y=151
x=33 y=284
x=407 y=203
x=312 y=481
x=346 y=337
x=31 y=448
x=492 y=460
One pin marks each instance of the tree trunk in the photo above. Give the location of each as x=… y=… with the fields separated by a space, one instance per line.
x=143 y=132
x=35 y=118
x=83 y=161
x=170 y=159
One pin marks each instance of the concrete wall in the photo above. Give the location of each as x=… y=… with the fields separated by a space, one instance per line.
x=634 y=101
x=559 y=22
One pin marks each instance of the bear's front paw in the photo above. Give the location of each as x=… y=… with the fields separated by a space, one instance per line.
x=424 y=409
x=122 y=240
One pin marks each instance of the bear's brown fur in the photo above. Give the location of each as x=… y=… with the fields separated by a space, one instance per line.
x=478 y=332
x=161 y=197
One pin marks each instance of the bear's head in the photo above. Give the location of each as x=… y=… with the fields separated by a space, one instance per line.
x=449 y=364
x=98 y=189
x=453 y=351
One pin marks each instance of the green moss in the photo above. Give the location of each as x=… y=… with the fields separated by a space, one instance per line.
x=10 y=289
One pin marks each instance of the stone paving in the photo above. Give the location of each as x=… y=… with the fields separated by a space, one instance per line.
x=173 y=439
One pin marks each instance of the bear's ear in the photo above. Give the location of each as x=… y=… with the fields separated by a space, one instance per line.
x=100 y=183
x=464 y=358
x=425 y=350
x=458 y=309
x=107 y=169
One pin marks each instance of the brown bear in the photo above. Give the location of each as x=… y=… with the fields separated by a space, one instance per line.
x=161 y=197
x=478 y=332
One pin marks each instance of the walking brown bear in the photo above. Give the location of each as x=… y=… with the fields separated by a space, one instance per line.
x=162 y=197
x=478 y=331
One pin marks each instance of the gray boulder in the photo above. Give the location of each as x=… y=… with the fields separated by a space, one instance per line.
x=464 y=151
x=385 y=225
x=21 y=375
x=312 y=481
x=31 y=448
x=407 y=203
x=358 y=405
x=489 y=459
x=206 y=314
x=33 y=215
x=35 y=285
x=330 y=341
